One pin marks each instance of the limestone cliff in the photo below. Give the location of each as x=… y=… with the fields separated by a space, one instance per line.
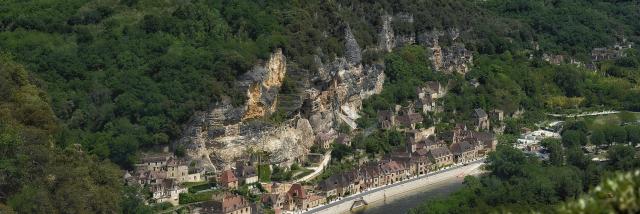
x=330 y=95
x=452 y=58
x=264 y=82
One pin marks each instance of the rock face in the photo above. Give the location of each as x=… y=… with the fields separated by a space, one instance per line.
x=218 y=137
x=386 y=36
x=454 y=58
x=264 y=83
x=353 y=52
x=329 y=97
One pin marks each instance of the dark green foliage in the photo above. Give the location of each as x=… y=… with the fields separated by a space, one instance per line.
x=281 y=174
x=622 y=157
x=598 y=137
x=187 y=198
x=37 y=177
x=406 y=69
x=573 y=138
x=633 y=134
x=516 y=183
x=340 y=151
x=264 y=173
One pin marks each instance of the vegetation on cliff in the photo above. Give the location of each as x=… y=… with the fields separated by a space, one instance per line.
x=88 y=83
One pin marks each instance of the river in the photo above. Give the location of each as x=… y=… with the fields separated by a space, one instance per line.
x=403 y=203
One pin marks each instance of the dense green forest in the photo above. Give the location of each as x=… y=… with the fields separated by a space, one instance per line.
x=86 y=85
x=519 y=183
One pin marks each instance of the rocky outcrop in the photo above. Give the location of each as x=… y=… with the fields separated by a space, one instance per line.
x=353 y=52
x=386 y=37
x=263 y=85
x=224 y=134
x=342 y=84
x=452 y=59
x=329 y=96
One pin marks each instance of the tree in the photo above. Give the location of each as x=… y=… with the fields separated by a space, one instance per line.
x=506 y=162
x=633 y=134
x=573 y=138
x=621 y=157
x=340 y=151
x=576 y=157
x=598 y=137
x=616 y=134
x=556 y=152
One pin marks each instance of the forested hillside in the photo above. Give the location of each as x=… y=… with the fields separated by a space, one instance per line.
x=86 y=85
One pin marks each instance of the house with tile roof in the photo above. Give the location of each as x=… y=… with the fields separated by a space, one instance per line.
x=441 y=156
x=463 y=152
x=228 y=180
x=225 y=203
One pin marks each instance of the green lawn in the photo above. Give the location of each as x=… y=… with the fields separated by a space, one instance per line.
x=610 y=119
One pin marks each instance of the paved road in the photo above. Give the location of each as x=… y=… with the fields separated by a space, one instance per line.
x=468 y=165
x=584 y=114
x=316 y=170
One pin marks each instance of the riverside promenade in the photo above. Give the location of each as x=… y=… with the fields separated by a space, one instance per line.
x=382 y=193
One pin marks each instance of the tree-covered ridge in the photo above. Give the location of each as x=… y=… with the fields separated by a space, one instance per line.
x=128 y=74
x=35 y=175
x=148 y=65
x=572 y=26
x=121 y=76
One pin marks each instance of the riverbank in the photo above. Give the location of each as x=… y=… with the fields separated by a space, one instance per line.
x=402 y=203
x=394 y=190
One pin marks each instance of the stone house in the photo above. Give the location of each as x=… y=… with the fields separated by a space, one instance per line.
x=393 y=171
x=324 y=139
x=302 y=199
x=428 y=94
x=373 y=176
x=419 y=135
x=167 y=190
x=409 y=118
x=277 y=201
x=441 y=156
x=247 y=173
x=463 y=152
x=228 y=180
x=421 y=163
x=225 y=203
x=481 y=119
x=431 y=144
x=331 y=186
x=487 y=140
x=170 y=166
x=426 y=103
x=601 y=54
x=155 y=162
x=315 y=200
x=179 y=170
x=299 y=196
